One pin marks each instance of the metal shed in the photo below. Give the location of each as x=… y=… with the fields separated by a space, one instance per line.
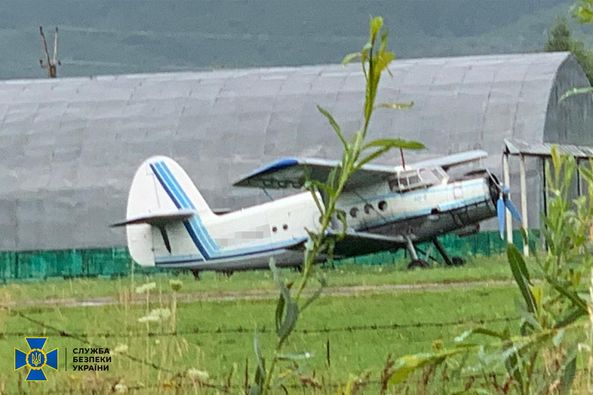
x=69 y=147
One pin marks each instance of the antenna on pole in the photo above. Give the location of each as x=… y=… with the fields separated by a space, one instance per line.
x=52 y=62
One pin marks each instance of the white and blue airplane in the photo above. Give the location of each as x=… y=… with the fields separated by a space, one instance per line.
x=169 y=224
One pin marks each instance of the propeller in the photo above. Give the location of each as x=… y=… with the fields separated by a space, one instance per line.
x=504 y=202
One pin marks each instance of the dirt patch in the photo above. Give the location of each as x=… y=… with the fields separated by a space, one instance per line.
x=255 y=294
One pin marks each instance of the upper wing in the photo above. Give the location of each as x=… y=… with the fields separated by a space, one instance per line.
x=292 y=173
x=449 y=161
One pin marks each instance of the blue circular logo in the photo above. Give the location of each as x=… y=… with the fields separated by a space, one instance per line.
x=36 y=358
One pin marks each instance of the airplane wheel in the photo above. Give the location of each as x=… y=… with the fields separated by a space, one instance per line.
x=458 y=261
x=196 y=274
x=418 y=263
x=227 y=273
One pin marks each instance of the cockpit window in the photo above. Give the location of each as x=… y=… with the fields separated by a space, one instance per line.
x=418 y=178
x=434 y=176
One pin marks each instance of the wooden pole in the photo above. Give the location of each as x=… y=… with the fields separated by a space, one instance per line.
x=524 y=221
x=507 y=183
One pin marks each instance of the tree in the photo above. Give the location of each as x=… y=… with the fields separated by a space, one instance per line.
x=560 y=39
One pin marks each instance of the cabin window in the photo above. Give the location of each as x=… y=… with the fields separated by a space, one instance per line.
x=285 y=227
x=382 y=205
x=274 y=229
x=430 y=176
x=414 y=180
x=394 y=184
x=367 y=208
x=354 y=212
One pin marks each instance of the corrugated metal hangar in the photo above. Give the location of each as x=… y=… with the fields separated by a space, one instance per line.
x=69 y=147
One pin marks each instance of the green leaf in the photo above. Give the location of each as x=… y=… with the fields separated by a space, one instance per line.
x=342 y=217
x=350 y=57
x=334 y=125
x=394 y=143
x=261 y=369
x=376 y=25
x=512 y=363
x=295 y=356
x=290 y=320
x=576 y=300
x=568 y=376
x=322 y=284
x=396 y=106
x=557 y=339
x=575 y=91
x=371 y=157
x=583 y=13
x=406 y=365
x=521 y=276
x=279 y=313
x=287 y=310
x=481 y=331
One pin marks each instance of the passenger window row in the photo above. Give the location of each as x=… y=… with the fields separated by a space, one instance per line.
x=382 y=206
x=275 y=228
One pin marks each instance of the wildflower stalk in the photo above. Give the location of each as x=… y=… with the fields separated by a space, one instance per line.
x=374 y=58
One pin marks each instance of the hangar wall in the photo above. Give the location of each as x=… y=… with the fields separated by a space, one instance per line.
x=69 y=147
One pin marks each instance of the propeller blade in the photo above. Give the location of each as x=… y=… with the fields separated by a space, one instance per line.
x=513 y=210
x=500 y=214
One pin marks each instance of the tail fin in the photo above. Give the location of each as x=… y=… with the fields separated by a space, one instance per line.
x=162 y=199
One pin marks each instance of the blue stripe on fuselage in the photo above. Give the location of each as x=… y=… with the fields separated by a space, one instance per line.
x=157 y=171
x=198 y=232
x=199 y=229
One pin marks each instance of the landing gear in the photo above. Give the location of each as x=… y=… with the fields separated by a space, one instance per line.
x=416 y=262
x=196 y=274
x=458 y=261
x=454 y=261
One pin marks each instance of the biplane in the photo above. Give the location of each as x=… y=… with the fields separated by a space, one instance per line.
x=169 y=224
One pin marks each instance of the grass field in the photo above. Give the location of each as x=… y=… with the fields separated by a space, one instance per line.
x=214 y=337
x=477 y=269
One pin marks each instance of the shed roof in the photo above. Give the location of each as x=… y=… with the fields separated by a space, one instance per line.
x=69 y=147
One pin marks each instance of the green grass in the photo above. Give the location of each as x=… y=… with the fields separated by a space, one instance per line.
x=477 y=269
x=217 y=336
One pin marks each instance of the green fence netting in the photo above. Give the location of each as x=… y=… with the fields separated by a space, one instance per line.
x=117 y=262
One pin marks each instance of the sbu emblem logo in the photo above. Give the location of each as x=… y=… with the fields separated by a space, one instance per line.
x=36 y=359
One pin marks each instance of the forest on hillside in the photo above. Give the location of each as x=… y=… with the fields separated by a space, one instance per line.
x=114 y=36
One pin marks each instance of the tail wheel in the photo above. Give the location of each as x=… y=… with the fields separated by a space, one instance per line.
x=418 y=263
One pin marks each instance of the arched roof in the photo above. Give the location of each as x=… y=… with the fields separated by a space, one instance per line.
x=69 y=147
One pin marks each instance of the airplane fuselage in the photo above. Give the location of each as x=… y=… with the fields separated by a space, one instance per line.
x=248 y=238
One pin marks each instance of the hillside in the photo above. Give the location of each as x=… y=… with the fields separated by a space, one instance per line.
x=129 y=36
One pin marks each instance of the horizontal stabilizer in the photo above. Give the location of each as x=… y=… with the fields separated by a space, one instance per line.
x=159 y=219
